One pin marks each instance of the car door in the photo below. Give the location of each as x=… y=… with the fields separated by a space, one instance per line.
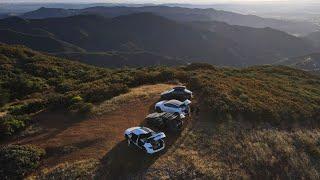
x=134 y=139
x=139 y=142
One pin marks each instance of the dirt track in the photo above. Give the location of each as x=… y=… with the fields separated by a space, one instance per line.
x=68 y=138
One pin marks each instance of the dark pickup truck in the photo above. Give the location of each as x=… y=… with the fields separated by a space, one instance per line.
x=171 y=121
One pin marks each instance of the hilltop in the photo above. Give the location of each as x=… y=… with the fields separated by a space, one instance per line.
x=262 y=116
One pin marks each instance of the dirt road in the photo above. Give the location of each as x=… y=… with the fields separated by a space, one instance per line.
x=69 y=138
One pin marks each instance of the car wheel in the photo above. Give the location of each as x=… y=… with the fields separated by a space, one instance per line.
x=158 y=109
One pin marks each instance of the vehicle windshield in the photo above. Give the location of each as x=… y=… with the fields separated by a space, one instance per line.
x=183 y=106
x=179 y=88
x=146 y=136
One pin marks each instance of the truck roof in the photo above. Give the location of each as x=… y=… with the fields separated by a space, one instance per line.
x=162 y=115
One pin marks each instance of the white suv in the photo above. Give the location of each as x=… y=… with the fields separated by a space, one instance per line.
x=174 y=106
x=145 y=139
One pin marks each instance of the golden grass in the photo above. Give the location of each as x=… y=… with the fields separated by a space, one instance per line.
x=238 y=150
x=83 y=169
x=2 y=114
x=142 y=92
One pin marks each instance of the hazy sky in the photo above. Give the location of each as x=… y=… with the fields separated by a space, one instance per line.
x=158 y=1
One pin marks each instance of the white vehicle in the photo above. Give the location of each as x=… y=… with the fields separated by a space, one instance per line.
x=145 y=139
x=174 y=106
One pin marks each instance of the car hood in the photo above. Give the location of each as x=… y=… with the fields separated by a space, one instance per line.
x=158 y=136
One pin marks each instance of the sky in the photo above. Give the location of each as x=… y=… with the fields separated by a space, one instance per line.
x=156 y=1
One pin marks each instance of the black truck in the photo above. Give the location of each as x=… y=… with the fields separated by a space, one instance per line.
x=162 y=120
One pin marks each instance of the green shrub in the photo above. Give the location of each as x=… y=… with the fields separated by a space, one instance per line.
x=27 y=108
x=76 y=99
x=23 y=85
x=4 y=59
x=17 y=161
x=199 y=66
x=11 y=124
x=165 y=75
x=81 y=108
x=4 y=96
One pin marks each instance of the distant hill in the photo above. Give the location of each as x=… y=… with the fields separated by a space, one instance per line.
x=143 y=31
x=122 y=59
x=37 y=42
x=314 y=38
x=309 y=62
x=49 y=12
x=159 y=35
x=183 y=15
x=262 y=44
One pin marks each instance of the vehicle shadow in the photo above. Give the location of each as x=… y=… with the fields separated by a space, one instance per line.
x=123 y=161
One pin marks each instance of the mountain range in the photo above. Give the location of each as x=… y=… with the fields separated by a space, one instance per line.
x=212 y=42
x=182 y=14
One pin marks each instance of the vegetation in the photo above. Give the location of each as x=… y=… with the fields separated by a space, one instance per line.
x=240 y=150
x=261 y=121
x=17 y=161
x=31 y=82
x=115 y=59
x=265 y=93
x=84 y=169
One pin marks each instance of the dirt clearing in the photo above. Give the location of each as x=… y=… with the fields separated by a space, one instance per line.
x=69 y=138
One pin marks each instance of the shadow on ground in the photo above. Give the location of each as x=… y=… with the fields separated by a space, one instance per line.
x=123 y=162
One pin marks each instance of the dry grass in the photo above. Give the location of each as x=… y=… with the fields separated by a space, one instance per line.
x=236 y=150
x=142 y=92
x=2 y=114
x=83 y=169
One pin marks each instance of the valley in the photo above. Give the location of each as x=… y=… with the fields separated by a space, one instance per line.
x=75 y=77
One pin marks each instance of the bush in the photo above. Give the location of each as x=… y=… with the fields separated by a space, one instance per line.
x=4 y=96
x=17 y=161
x=199 y=66
x=76 y=99
x=11 y=124
x=27 y=108
x=81 y=108
x=166 y=75
x=22 y=85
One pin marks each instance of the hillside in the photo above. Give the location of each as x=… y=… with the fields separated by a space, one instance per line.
x=132 y=32
x=122 y=59
x=176 y=40
x=183 y=15
x=49 y=12
x=262 y=116
x=37 y=42
x=262 y=44
x=31 y=82
x=309 y=62
x=314 y=38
